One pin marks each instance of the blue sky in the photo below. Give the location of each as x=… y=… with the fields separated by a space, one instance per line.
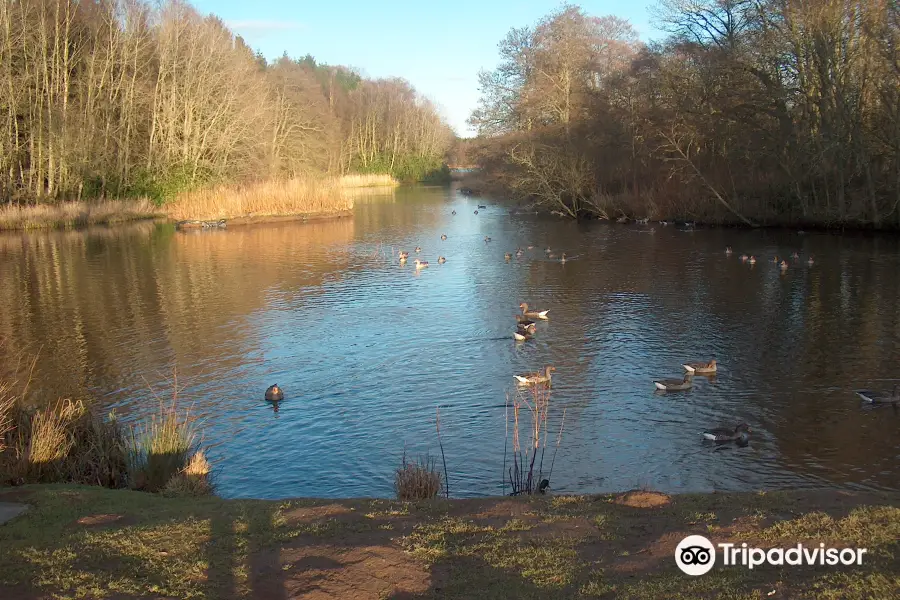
x=438 y=46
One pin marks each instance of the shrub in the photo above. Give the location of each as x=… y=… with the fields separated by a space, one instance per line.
x=418 y=480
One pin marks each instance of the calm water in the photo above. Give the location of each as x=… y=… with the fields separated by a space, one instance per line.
x=367 y=350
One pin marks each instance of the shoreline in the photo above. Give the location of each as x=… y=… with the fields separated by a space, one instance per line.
x=80 y=541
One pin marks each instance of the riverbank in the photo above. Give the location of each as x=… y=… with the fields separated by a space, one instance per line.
x=306 y=199
x=87 y=542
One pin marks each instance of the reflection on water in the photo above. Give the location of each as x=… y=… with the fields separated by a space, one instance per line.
x=366 y=349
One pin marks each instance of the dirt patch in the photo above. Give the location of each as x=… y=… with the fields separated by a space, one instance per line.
x=310 y=514
x=103 y=520
x=642 y=499
x=354 y=572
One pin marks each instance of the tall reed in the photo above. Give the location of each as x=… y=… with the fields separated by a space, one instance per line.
x=368 y=180
x=298 y=196
x=75 y=214
x=527 y=418
x=160 y=449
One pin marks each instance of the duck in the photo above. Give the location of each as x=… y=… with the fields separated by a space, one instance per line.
x=810 y=262
x=521 y=335
x=441 y=260
x=487 y=239
x=274 y=393
x=775 y=260
x=535 y=378
x=562 y=258
x=744 y=257
x=529 y=326
x=728 y=251
x=421 y=264
x=881 y=397
x=700 y=368
x=522 y=320
x=482 y=206
x=519 y=252
x=643 y=221
x=540 y=314
x=476 y=212
x=507 y=256
x=551 y=255
x=530 y=248
x=741 y=433
x=403 y=255
x=547 y=250
x=443 y=236
x=783 y=265
x=752 y=260
x=453 y=213
x=795 y=255
x=675 y=385
x=418 y=249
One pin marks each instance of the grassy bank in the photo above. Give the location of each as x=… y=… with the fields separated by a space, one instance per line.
x=80 y=542
x=67 y=215
x=302 y=197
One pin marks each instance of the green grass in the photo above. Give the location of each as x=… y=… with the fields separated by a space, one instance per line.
x=563 y=547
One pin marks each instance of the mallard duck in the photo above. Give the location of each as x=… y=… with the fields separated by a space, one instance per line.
x=535 y=378
x=487 y=239
x=482 y=206
x=441 y=260
x=741 y=433
x=519 y=252
x=810 y=262
x=403 y=255
x=675 y=385
x=562 y=258
x=752 y=260
x=540 y=314
x=783 y=265
x=453 y=213
x=476 y=212
x=274 y=393
x=507 y=256
x=530 y=248
x=700 y=368
x=775 y=260
x=728 y=250
x=418 y=249
x=880 y=397
x=521 y=335
x=443 y=236
x=547 y=250
x=643 y=221
x=421 y=264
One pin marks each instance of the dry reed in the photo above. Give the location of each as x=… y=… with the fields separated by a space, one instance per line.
x=530 y=407
x=299 y=196
x=193 y=480
x=75 y=214
x=160 y=449
x=418 y=480
x=370 y=180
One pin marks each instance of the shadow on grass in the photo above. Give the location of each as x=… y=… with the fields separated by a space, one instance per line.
x=82 y=542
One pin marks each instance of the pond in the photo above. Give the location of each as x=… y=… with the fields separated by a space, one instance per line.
x=367 y=350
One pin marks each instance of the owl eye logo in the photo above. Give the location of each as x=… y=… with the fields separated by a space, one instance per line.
x=695 y=555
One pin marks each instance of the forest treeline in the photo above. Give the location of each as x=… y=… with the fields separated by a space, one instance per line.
x=754 y=111
x=131 y=98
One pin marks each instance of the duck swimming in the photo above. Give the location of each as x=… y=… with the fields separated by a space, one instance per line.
x=740 y=434
x=441 y=260
x=443 y=236
x=675 y=385
x=881 y=397
x=540 y=314
x=535 y=378
x=421 y=264
x=274 y=393
x=700 y=368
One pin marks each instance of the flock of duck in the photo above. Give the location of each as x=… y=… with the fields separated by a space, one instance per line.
x=526 y=328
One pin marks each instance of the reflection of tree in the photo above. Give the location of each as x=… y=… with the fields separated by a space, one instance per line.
x=112 y=305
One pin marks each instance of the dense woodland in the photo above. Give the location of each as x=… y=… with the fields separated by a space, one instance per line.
x=755 y=111
x=119 y=98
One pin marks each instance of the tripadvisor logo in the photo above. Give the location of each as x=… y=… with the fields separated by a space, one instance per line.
x=696 y=555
